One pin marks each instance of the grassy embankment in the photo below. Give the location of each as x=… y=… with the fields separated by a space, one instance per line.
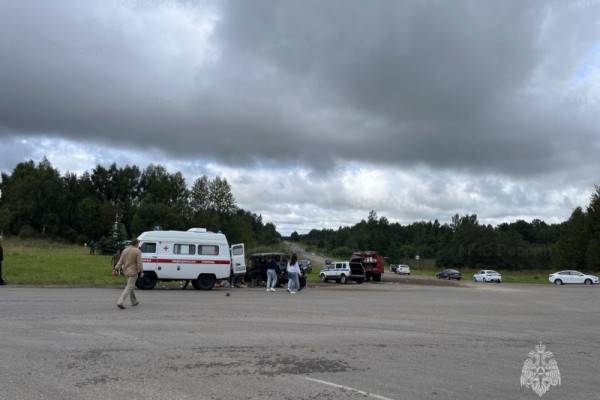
x=41 y=262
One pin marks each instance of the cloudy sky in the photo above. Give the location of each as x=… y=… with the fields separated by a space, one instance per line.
x=317 y=111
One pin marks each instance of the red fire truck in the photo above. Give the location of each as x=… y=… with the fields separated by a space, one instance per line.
x=372 y=263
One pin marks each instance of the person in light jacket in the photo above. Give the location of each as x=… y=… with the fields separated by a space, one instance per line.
x=131 y=264
x=293 y=270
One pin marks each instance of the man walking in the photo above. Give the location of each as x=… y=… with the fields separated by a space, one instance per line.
x=131 y=264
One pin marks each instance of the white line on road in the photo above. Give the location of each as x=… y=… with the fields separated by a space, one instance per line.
x=335 y=385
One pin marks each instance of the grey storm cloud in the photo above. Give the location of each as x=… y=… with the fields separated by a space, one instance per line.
x=467 y=85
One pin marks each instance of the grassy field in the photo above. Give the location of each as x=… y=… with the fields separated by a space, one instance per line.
x=40 y=262
x=507 y=276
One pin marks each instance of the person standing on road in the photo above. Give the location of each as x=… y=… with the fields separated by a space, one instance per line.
x=1 y=259
x=131 y=263
x=272 y=273
x=293 y=270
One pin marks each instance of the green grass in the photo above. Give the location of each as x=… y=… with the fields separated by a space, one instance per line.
x=40 y=262
x=529 y=276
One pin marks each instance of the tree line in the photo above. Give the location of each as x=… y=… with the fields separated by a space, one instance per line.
x=465 y=242
x=38 y=201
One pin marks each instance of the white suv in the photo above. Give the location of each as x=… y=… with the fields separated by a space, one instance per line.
x=343 y=272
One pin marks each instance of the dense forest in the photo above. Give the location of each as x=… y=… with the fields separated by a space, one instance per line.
x=464 y=241
x=37 y=201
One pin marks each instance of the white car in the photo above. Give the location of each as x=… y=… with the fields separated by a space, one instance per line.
x=570 y=276
x=401 y=269
x=487 y=275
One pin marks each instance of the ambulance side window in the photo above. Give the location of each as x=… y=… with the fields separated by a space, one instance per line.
x=184 y=249
x=147 y=247
x=205 y=250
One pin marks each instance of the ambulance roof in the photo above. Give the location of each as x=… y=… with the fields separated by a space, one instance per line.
x=184 y=236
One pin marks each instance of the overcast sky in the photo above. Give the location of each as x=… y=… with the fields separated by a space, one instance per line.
x=317 y=111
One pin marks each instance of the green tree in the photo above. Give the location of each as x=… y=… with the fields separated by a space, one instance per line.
x=221 y=198
x=200 y=194
x=592 y=254
x=572 y=245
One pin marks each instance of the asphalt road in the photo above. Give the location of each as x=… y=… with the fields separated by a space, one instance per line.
x=392 y=341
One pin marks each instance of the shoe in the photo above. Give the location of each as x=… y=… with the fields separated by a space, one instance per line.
x=268 y=290
x=135 y=304
x=273 y=290
x=292 y=292
x=121 y=306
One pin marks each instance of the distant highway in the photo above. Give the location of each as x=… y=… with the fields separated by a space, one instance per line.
x=305 y=255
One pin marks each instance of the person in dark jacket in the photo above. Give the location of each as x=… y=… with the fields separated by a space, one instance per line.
x=272 y=273
x=1 y=259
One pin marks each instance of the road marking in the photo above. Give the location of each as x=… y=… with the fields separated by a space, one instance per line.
x=335 y=385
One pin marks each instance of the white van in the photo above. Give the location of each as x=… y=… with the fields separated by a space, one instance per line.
x=196 y=255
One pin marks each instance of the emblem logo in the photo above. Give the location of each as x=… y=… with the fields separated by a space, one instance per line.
x=540 y=371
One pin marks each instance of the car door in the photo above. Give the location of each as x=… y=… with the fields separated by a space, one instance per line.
x=238 y=258
x=565 y=276
x=577 y=277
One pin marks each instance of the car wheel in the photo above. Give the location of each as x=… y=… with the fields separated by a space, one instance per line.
x=205 y=281
x=343 y=279
x=377 y=278
x=588 y=282
x=323 y=278
x=558 y=282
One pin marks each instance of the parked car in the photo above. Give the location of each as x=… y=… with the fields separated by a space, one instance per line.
x=449 y=274
x=487 y=275
x=401 y=269
x=343 y=272
x=570 y=276
x=306 y=266
x=256 y=274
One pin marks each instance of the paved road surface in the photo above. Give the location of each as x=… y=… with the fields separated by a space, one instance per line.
x=391 y=340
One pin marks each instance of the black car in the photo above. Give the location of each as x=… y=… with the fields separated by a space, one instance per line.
x=449 y=274
x=256 y=273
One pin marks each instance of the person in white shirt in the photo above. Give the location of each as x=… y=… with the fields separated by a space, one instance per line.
x=293 y=271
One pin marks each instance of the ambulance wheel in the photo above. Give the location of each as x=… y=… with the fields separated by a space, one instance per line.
x=147 y=282
x=205 y=282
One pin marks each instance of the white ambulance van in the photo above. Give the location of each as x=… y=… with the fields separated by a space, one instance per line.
x=197 y=255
